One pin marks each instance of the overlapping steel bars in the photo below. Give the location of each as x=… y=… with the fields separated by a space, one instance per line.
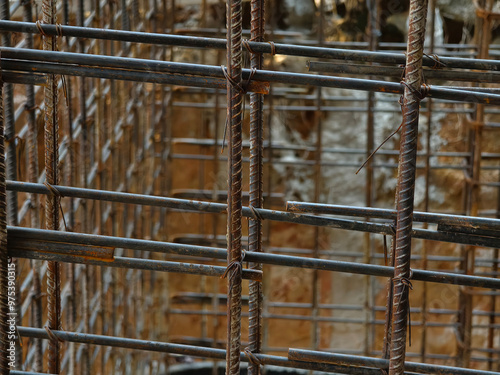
x=128 y=134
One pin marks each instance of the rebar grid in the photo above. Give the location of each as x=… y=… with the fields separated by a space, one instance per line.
x=117 y=134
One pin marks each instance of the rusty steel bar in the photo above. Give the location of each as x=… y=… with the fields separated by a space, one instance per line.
x=256 y=187
x=51 y=136
x=406 y=185
x=33 y=171
x=234 y=210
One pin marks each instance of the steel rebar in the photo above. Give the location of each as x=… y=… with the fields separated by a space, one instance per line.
x=406 y=185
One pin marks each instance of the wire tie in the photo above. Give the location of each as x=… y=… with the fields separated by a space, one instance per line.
x=251 y=357
x=52 y=335
x=40 y=29
x=256 y=215
x=406 y=282
x=56 y=193
x=438 y=64
x=273 y=48
x=59 y=29
x=246 y=44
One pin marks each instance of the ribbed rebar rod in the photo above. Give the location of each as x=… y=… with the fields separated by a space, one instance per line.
x=256 y=187
x=259 y=47
x=51 y=136
x=406 y=185
x=234 y=209
x=33 y=174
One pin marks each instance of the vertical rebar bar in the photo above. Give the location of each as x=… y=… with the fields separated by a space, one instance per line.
x=406 y=184
x=52 y=202
x=432 y=31
x=372 y=28
x=35 y=209
x=256 y=185
x=234 y=123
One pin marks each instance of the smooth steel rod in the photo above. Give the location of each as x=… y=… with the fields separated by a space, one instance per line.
x=19 y=233
x=101 y=61
x=289 y=217
x=352 y=360
x=260 y=47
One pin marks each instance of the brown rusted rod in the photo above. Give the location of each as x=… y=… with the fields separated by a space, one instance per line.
x=52 y=202
x=256 y=188
x=406 y=185
x=235 y=94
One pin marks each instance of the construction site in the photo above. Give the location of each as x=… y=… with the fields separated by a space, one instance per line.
x=253 y=187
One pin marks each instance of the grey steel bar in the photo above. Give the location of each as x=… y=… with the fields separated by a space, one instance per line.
x=280 y=49
x=352 y=360
x=199 y=206
x=261 y=75
x=19 y=233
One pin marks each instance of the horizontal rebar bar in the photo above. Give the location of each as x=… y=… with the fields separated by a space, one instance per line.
x=397 y=72
x=53 y=237
x=381 y=213
x=176 y=68
x=260 y=47
x=352 y=360
x=289 y=217
x=64 y=255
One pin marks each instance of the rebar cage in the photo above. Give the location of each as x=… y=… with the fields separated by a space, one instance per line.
x=175 y=187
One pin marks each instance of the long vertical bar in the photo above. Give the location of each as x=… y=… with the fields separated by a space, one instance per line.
x=52 y=202
x=256 y=185
x=35 y=213
x=4 y=309
x=372 y=30
x=406 y=183
x=234 y=122
x=432 y=30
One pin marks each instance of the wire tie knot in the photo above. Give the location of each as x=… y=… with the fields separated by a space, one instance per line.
x=40 y=29
x=251 y=357
x=52 y=336
x=407 y=285
x=256 y=215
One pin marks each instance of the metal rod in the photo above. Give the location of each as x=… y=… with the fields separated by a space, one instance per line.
x=213 y=71
x=397 y=72
x=256 y=187
x=352 y=360
x=406 y=185
x=20 y=233
x=52 y=202
x=259 y=47
x=200 y=206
